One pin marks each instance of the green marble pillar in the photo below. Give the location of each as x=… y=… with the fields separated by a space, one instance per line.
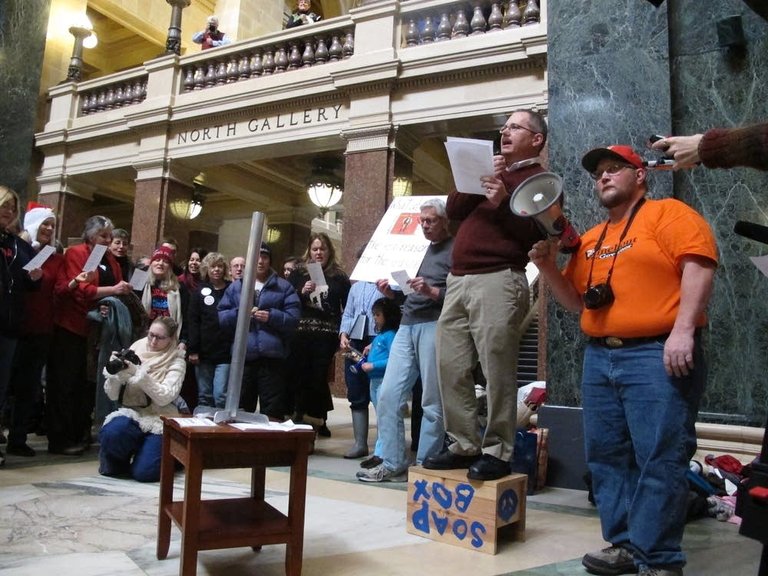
x=620 y=71
x=23 y=25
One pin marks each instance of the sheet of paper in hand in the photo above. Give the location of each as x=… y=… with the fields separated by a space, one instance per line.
x=93 y=260
x=40 y=258
x=470 y=160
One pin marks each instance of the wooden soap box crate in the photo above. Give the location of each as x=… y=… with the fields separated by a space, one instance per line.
x=445 y=506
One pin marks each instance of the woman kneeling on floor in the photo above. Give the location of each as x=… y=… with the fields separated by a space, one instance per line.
x=145 y=385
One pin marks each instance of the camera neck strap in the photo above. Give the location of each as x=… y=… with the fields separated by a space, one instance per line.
x=599 y=244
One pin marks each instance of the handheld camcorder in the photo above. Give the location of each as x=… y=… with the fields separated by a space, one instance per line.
x=121 y=359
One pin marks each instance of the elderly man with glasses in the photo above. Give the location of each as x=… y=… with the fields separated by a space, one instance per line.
x=486 y=301
x=641 y=282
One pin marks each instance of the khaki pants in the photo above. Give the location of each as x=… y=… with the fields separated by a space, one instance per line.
x=480 y=321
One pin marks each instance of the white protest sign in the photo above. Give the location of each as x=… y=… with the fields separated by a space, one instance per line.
x=397 y=244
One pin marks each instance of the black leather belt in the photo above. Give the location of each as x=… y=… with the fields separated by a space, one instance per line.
x=616 y=342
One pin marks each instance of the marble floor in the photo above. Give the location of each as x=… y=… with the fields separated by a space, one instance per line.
x=59 y=517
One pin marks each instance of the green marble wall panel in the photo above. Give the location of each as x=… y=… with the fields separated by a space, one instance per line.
x=620 y=71
x=23 y=25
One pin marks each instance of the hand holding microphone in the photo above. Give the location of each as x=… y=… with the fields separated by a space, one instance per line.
x=683 y=150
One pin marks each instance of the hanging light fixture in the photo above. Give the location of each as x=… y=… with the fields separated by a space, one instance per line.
x=273 y=234
x=402 y=182
x=188 y=209
x=324 y=187
x=401 y=186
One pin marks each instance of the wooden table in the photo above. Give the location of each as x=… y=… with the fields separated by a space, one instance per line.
x=231 y=522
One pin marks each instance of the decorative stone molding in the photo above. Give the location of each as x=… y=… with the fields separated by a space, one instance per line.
x=367 y=139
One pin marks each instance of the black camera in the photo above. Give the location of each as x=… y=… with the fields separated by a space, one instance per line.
x=598 y=296
x=121 y=359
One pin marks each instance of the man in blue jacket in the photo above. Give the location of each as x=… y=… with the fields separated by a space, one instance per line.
x=274 y=316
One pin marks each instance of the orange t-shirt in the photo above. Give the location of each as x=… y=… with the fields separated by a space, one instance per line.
x=647 y=274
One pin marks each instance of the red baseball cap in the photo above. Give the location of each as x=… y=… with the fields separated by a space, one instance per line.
x=618 y=152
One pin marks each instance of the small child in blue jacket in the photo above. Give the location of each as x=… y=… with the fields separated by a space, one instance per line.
x=387 y=316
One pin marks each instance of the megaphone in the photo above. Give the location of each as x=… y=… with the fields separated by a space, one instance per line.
x=538 y=197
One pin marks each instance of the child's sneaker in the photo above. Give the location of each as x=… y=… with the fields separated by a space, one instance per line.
x=371 y=462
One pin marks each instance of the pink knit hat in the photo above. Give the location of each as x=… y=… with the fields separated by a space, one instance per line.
x=164 y=253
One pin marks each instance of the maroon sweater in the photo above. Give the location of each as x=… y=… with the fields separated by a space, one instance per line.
x=726 y=148
x=491 y=238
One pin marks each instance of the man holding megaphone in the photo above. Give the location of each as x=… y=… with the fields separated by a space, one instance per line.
x=486 y=301
x=641 y=282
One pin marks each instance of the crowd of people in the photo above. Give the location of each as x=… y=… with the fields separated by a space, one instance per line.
x=69 y=327
x=116 y=356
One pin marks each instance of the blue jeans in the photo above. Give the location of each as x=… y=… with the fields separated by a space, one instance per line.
x=212 y=380
x=126 y=451
x=412 y=354
x=374 y=393
x=639 y=436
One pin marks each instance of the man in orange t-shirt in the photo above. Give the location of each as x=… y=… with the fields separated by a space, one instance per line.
x=641 y=282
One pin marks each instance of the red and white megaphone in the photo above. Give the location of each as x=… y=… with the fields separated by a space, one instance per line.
x=538 y=197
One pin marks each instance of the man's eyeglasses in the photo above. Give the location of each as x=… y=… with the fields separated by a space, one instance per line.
x=611 y=170
x=430 y=221
x=513 y=126
x=160 y=337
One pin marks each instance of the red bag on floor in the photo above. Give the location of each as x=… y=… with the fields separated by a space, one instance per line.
x=726 y=462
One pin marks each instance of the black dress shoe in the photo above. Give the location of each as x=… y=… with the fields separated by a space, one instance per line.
x=447 y=460
x=488 y=467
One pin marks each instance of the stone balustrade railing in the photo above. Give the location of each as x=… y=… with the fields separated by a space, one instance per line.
x=116 y=94
x=424 y=24
x=302 y=47
x=418 y=22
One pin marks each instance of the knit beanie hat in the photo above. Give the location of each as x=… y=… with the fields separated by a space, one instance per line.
x=164 y=253
x=35 y=215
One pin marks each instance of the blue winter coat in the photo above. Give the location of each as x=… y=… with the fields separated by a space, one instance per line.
x=269 y=340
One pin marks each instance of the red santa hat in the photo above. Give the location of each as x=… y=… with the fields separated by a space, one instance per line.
x=35 y=215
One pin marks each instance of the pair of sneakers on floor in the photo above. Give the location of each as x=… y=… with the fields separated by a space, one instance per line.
x=616 y=560
x=479 y=467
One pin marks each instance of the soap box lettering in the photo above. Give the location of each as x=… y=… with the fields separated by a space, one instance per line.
x=437 y=501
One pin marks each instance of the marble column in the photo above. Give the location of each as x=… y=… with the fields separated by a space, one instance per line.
x=152 y=219
x=619 y=72
x=23 y=25
x=367 y=192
